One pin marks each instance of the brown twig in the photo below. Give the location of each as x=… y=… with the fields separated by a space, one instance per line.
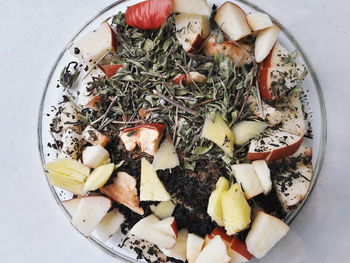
x=203 y=103
x=176 y=104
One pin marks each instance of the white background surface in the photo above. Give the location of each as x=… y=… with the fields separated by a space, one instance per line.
x=33 y=229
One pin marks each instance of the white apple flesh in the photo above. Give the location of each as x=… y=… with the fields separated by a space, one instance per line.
x=232 y=20
x=94 y=46
x=167 y=226
x=144 y=229
x=110 y=224
x=265 y=41
x=179 y=250
x=89 y=213
x=94 y=156
x=196 y=7
x=215 y=251
x=194 y=247
x=263 y=173
x=166 y=156
x=246 y=176
x=71 y=205
x=191 y=30
x=265 y=232
x=258 y=21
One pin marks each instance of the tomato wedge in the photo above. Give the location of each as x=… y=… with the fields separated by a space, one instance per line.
x=149 y=14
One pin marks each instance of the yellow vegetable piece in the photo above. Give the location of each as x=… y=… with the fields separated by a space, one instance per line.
x=214 y=205
x=152 y=189
x=99 y=177
x=216 y=130
x=236 y=210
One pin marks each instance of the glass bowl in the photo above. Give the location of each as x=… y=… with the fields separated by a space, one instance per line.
x=51 y=96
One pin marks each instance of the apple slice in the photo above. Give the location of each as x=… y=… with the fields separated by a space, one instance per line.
x=197 y=7
x=191 y=77
x=142 y=248
x=293 y=120
x=265 y=40
x=194 y=247
x=110 y=224
x=71 y=205
x=232 y=20
x=93 y=136
x=238 y=251
x=207 y=239
x=144 y=229
x=146 y=136
x=90 y=212
x=271 y=114
x=293 y=184
x=216 y=130
x=275 y=145
x=215 y=251
x=191 y=30
x=151 y=189
x=258 y=21
x=179 y=250
x=263 y=173
x=246 y=176
x=110 y=70
x=72 y=144
x=164 y=209
x=168 y=226
x=166 y=156
x=244 y=131
x=236 y=210
x=94 y=103
x=95 y=45
x=99 y=177
x=265 y=232
x=220 y=232
x=123 y=190
x=95 y=156
x=214 y=205
x=238 y=52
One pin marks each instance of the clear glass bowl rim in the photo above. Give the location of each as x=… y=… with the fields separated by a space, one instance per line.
x=323 y=135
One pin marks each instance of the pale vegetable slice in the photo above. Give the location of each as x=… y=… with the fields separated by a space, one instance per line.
x=215 y=251
x=191 y=30
x=236 y=210
x=164 y=209
x=265 y=232
x=258 y=21
x=94 y=156
x=99 y=177
x=110 y=224
x=95 y=45
x=90 y=212
x=66 y=183
x=216 y=130
x=246 y=177
x=232 y=20
x=197 y=7
x=166 y=156
x=243 y=131
x=151 y=189
x=194 y=247
x=71 y=205
x=265 y=41
x=214 y=205
x=263 y=173
x=179 y=250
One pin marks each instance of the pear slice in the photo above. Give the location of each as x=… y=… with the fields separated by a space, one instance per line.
x=99 y=177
